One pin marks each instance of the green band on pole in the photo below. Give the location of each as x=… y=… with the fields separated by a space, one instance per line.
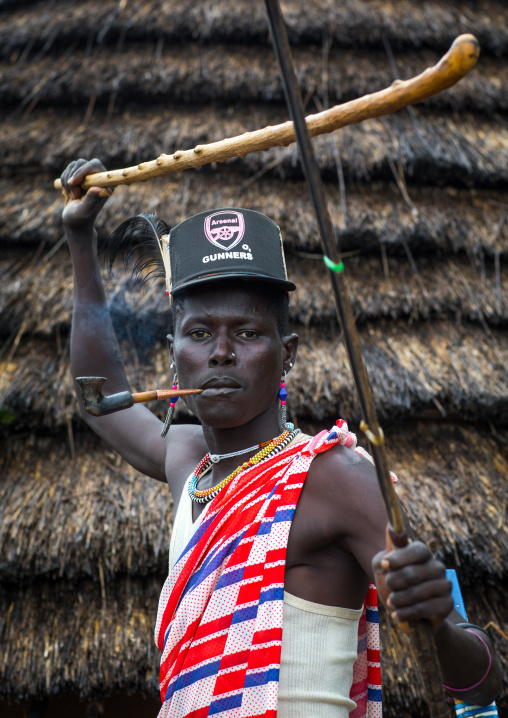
x=332 y=266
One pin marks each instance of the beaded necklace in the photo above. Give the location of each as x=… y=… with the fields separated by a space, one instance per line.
x=271 y=449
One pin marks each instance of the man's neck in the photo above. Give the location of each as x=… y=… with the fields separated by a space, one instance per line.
x=225 y=441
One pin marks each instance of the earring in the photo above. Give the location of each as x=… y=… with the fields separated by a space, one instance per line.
x=171 y=410
x=282 y=408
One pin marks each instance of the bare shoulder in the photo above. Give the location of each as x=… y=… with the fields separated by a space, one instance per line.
x=344 y=485
x=340 y=468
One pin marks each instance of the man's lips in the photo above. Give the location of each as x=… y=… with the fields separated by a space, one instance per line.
x=219 y=385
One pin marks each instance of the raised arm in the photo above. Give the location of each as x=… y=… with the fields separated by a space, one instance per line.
x=134 y=432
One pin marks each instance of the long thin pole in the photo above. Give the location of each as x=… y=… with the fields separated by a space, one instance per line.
x=342 y=303
x=424 y=643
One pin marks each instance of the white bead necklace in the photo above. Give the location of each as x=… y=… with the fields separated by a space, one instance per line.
x=215 y=458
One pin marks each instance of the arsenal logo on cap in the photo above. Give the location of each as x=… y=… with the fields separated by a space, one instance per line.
x=247 y=246
x=225 y=228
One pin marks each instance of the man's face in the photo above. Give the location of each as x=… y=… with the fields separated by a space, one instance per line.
x=227 y=342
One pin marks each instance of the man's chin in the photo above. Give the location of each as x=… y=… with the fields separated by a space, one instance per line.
x=223 y=416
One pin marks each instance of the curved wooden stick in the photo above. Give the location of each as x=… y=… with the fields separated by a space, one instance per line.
x=458 y=61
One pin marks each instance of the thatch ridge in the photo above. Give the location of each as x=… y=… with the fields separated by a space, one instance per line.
x=464 y=289
x=423 y=370
x=102 y=641
x=427 y=369
x=95 y=518
x=438 y=220
x=246 y=74
x=459 y=474
x=98 y=639
x=92 y=516
x=403 y=24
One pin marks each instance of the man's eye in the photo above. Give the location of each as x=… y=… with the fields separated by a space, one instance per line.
x=200 y=334
x=248 y=334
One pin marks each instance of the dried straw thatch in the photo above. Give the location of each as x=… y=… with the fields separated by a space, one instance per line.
x=424 y=228
x=457 y=288
x=97 y=638
x=435 y=221
x=96 y=518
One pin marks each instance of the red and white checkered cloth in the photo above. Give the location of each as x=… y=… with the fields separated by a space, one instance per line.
x=219 y=624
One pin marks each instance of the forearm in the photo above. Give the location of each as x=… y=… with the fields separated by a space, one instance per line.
x=94 y=348
x=134 y=432
x=413 y=586
x=470 y=667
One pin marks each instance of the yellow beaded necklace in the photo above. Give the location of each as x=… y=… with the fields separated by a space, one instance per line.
x=202 y=497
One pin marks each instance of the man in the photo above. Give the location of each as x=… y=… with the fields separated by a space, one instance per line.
x=245 y=488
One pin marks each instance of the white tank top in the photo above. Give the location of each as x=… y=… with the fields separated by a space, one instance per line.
x=319 y=643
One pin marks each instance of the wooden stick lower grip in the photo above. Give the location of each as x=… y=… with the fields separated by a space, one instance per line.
x=423 y=647
x=158 y=394
x=458 y=61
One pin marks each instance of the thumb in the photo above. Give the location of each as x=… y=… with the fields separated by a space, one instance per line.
x=83 y=211
x=97 y=193
x=93 y=201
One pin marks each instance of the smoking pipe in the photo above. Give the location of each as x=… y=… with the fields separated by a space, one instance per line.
x=97 y=404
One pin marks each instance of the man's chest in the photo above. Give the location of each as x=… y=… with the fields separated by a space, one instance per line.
x=319 y=566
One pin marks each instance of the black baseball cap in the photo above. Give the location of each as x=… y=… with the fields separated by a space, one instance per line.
x=227 y=243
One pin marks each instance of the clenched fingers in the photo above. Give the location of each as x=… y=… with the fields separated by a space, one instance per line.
x=82 y=207
x=75 y=173
x=413 y=584
x=431 y=600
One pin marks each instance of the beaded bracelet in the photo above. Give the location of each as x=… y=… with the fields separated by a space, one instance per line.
x=475 y=685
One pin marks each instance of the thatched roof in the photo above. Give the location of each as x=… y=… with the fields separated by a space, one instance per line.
x=430 y=148
x=354 y=22
x=104 y=639
x=101 y=639
x=231 y=72
x=96 y=518
x=83 y=538
x=96 y=640
x=460 y=288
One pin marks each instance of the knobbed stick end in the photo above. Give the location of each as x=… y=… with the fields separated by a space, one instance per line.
x=462 y=56
x=469 y=46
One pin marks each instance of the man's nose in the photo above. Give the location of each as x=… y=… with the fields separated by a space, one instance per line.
x=222 y=353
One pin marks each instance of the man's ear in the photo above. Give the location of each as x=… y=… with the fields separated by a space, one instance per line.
x=171 y=340
x=290 y=343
